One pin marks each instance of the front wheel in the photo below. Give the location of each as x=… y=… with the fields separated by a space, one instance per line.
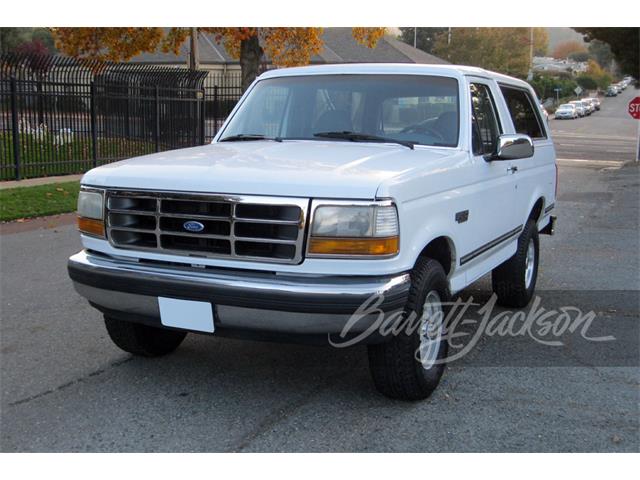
x=514 y=281
x=143 y=340
x=410 y=364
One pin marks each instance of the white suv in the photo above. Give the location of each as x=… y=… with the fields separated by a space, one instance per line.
x=326 y=188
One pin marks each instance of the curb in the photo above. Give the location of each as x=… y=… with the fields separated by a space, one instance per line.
x=32 y=182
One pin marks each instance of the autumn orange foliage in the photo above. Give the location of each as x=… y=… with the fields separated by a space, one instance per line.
x=564 y=49
x=284 y=46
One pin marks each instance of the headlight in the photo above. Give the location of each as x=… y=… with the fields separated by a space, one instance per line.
x=360 y=228
x=91 y=212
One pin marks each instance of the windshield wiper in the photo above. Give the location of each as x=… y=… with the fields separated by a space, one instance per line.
x=363 y=137
x=247 y=137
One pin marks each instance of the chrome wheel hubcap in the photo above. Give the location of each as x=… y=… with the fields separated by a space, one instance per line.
x=431 y=327
x=529 y=264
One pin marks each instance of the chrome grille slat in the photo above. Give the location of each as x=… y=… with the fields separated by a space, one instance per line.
x=132 y=212
x=265 y=240
x=186 y=216
x=274 y=242
x=171 y=233
x=264 y=220
x=134 y=230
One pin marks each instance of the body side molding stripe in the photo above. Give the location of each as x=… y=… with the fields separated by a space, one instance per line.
x=549 y=208
x=488 y=246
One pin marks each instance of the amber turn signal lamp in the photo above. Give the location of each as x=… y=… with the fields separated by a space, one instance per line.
x=91 y=226
x=353 y=246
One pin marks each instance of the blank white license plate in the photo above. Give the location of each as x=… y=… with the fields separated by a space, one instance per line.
x=186 y=314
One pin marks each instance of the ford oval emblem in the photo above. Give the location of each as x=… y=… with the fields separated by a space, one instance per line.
x=193 y=226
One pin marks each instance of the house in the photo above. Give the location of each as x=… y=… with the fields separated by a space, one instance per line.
x=339 y=47
x=550 y=64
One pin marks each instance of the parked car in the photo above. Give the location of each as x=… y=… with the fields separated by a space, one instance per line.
x=589 y=104
x=595 y=101
x=328 y=188
x=611 y=91
x=580 y=108
x=566 y=111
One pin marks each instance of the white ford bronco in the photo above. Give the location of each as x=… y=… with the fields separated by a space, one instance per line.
x=327 y=187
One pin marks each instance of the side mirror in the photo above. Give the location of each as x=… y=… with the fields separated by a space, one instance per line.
x=513 y=147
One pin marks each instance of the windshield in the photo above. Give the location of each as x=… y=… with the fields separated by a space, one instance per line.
x=409 y=108
x=566 y=107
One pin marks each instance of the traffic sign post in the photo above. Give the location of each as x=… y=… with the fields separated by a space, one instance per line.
x=634 y=111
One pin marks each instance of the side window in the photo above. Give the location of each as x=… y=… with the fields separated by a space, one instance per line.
x=485 y=128
x=524 y=115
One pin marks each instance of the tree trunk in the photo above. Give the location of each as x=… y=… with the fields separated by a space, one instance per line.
x=250 y=55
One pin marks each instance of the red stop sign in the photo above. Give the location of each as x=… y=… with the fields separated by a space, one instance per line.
x=634 y=108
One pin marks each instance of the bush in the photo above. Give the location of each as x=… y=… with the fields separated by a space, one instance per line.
x=545 y=86
x=587 y=82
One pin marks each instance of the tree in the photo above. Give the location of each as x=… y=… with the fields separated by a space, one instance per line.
x=624 y=43
x=540 y=42
x=580 y=56
x=564 y=49
x=425 y=38
x=11 y=39
x=601 y=53
x=601 y=77
x=545 y=85
x=587 y=82
x=32 y=48
x=284 y=46
x=505 y=50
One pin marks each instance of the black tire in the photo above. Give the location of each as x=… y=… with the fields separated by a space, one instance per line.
x=508 y=279
x=397 y=373
x=143 y=340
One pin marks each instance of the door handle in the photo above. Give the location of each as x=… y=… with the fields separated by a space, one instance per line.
x=512 y=169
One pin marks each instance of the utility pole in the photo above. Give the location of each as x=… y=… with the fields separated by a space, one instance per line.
x=449 y=36
x=415 y=37
x=530 y=74
x=194 y=57
x=531 y=48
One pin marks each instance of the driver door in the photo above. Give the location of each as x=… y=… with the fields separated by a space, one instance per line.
x=492 y=214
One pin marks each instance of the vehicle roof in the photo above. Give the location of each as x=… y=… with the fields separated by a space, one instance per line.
x=456 y=71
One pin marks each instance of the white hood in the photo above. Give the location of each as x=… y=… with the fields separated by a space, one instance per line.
x=321 y=169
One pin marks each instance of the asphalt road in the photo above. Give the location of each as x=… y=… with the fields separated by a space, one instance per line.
x=607 y=135
x=65 y=387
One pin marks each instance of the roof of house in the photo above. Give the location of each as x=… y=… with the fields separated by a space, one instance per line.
x=339 y=47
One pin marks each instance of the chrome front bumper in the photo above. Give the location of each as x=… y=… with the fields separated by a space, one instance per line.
x=241 y=299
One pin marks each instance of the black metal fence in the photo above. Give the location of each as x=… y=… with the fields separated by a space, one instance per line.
x=60 y=115
x=222 y=92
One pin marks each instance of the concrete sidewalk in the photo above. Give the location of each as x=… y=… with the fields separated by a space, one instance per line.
x=31 y=182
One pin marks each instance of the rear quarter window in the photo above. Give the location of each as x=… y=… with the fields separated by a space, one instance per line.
x=526 y=119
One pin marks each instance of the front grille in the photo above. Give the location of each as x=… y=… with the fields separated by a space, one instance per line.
x=268 y=229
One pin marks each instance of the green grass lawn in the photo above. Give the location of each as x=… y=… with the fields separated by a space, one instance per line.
x=38 y=201
x=40 y=156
